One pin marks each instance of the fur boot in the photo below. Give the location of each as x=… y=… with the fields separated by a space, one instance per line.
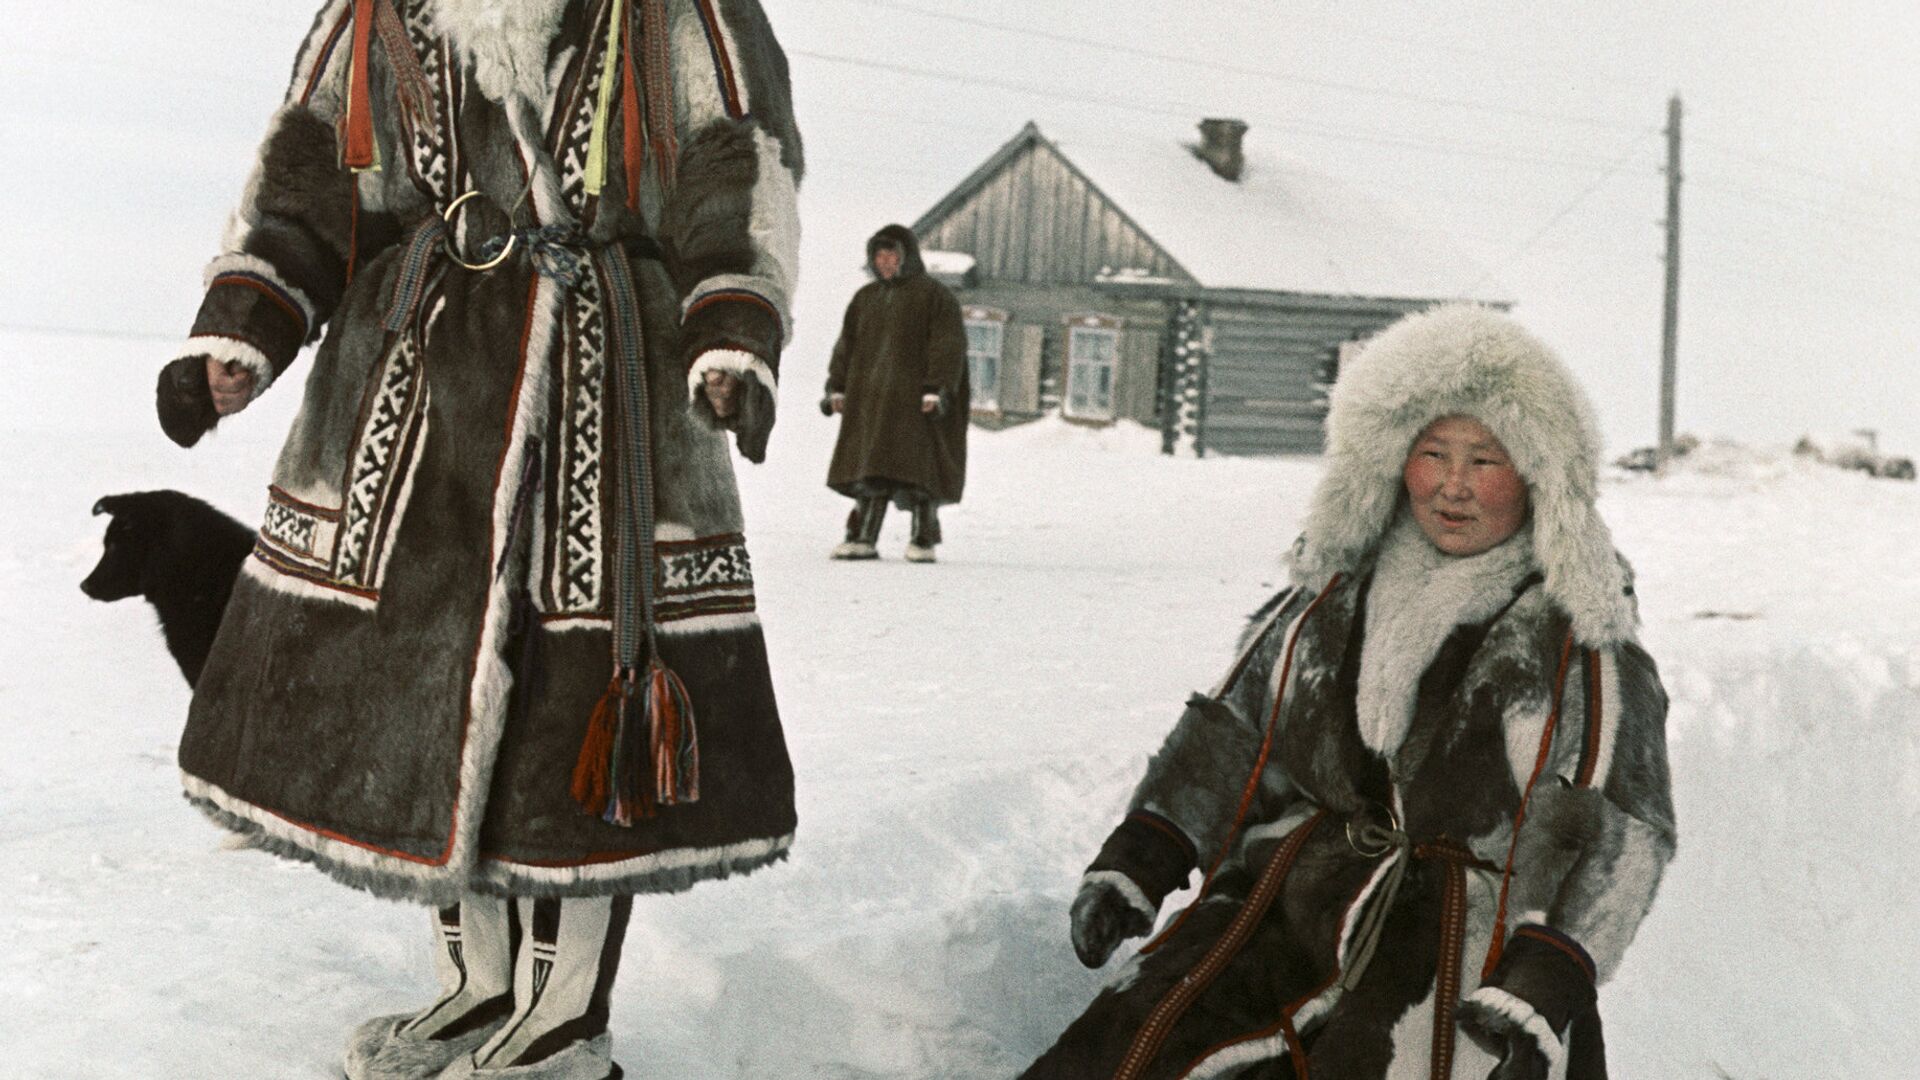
x=926 y=531
x=475 y=962
x=563 y=977
x=863 y=528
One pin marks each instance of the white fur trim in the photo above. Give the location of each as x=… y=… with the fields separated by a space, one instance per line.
x=1525 y=1018
x=1522 y=726
x=673 y=532
x=774 y=226
x=1349 y=921
x=227 y=350
x=1228 y=1059
x=1267 y=830
x=549 y=204
x=697 y=100
x=762 y=287
x=1469 y=361
x=310 y=50
x=1128 y=889
x=339 y=852
x=503 y=43
x=1609 y=716
x=269 y=578
x=576 y=622
x=709 y=624
x=507 y=875
x=241 y=262
x=732 y=53
x=1236 y=1056
x=734 y=360
x=1419 y=595
x=492 y=680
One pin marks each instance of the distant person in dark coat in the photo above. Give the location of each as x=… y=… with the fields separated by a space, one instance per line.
x=899 y=382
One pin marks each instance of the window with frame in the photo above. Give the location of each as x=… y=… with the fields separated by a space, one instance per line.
x=1093 y=354
x=986 y=344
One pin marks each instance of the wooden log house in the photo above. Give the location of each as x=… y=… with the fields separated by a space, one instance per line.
x=1208 y=289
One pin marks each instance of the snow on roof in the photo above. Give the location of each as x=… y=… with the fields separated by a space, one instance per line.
x=955 y=263
x=1282 y=227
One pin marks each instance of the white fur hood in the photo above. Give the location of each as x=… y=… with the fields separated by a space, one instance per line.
x=1466 y=360
x=503 y=42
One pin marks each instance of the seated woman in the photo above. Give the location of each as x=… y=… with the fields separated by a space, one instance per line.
x=1432 y=791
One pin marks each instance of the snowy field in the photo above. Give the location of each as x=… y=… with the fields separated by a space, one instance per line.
x=964 y=735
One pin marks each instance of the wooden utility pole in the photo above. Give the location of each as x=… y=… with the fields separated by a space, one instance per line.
x=1669 y=326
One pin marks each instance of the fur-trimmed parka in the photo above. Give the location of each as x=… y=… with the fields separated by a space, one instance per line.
x=902 y=339
x=1431 y=794
x=403 y=683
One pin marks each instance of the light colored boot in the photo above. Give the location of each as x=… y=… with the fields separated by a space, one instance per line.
x=475 y=966
x=919 y=553
x=855 y=549
x=569 y=954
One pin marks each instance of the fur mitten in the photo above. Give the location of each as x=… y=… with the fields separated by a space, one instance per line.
x=1106 y=913
x=184 y=400
x=1143 y=860
x=1538 y=1010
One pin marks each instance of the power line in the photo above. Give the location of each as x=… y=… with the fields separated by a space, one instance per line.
x=1188 y=111
x=1086 y=41
x=1620 y=163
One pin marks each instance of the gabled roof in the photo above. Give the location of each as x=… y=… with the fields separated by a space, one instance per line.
x=1282 y=227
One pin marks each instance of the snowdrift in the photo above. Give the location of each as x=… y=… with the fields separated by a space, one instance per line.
x=964 y=735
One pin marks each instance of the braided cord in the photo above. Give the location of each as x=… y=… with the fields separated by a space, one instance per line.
x=633 y=606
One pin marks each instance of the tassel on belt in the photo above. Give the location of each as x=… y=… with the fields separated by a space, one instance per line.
x=641 y=749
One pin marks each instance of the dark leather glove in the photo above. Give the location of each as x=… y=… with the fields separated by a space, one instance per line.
x=184 y=401
x=1102 y=918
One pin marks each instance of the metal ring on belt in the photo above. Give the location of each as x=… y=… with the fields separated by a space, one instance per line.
x=1385 y=845
x=454 y=252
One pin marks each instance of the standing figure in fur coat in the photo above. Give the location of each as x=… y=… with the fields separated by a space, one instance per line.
x=898 y=379
x=495 y=650
x=1431 y=794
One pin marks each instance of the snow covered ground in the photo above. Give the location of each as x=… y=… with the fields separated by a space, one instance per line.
x=964 y=735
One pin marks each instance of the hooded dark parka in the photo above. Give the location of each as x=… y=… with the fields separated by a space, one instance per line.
x=403 y=682
x=902 y=339
x=1426 y=845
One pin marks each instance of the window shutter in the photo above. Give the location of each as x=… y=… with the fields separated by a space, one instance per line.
x=1020 y=368
x=1139 y=374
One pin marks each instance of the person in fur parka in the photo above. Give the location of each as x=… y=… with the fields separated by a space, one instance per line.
x=495 y=650
x=898 y=380
x=1431 y=794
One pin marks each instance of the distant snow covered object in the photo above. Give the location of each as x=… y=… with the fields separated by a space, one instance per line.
x=964 y=735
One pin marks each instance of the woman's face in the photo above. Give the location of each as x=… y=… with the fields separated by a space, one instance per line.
x=1465 y=493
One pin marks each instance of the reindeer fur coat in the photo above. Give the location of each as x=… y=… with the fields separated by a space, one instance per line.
x=401 y=685
x=1495 y=709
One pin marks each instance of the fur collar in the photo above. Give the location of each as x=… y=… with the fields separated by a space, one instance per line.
x=1419 y=594
x=503 y=43
x=1470 y=361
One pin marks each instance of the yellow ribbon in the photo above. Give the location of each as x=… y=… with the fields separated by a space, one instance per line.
x=603 y=108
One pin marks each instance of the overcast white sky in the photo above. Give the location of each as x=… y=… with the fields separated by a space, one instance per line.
x=1528 y=131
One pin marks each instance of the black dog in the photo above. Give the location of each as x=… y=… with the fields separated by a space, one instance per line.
x=179 y=553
